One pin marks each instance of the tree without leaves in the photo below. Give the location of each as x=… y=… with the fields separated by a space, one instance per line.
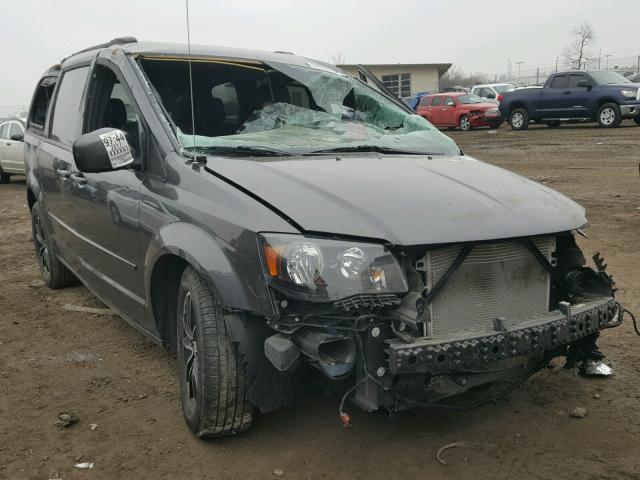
x=338 y=59
x=456 y=77
x=577 y=54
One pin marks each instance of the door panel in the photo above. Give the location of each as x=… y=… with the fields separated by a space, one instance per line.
x=448 y=112
x=105 y=219
x=552 y=100
x=576 y=101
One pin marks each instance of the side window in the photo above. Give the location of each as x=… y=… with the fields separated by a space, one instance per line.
x=574 y=80
x=110 y=106
x=67 y=120
x=437 y=101
x=41 y=101
x=559 y=82
x=4 y=131
x=449 y=102
x=424 y=101
x=15 y=129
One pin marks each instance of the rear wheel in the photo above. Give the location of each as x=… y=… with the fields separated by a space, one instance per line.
x=519 y=119
x=465 y=123
x=552 y=124
x=213 y=378
x=609 y=115
x=53 y=271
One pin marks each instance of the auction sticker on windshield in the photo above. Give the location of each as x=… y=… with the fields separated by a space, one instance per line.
x=117 y=148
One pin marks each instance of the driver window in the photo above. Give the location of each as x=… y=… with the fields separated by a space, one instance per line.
x=111 y=106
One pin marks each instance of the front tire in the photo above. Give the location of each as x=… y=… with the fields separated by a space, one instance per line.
x=609 y=115
x=213 y=378
x=465 y=123
x=53 y=271
x=519 y=119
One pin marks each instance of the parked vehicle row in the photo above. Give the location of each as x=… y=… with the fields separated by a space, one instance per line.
x=605 y=97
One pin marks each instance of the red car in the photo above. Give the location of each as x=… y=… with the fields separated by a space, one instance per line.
x=464 y=110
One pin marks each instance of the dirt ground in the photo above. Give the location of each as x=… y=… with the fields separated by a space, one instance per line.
x=98 y=367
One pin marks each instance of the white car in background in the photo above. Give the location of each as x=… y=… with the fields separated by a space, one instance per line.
x=11 y=148
x=492 y=91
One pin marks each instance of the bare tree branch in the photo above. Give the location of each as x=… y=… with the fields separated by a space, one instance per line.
x=456 y=77
x=577 y=53
x=338 y=59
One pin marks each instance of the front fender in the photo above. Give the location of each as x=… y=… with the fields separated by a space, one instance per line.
x=233 y=271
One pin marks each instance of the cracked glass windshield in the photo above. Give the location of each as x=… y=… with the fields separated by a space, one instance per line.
x=252 y=108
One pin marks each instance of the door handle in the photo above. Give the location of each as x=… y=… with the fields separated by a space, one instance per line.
x=63 y=172
x=78 y=178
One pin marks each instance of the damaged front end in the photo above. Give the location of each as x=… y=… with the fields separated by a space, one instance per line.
x=421 y=324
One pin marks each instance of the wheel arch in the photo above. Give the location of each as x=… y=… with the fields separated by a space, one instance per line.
x=179 y=245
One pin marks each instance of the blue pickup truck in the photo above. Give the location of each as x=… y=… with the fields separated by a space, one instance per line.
x=605 y=97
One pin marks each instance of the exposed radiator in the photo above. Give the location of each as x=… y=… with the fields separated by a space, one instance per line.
x=495 y=280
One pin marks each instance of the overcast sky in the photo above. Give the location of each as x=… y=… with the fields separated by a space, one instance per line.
x=474 y=35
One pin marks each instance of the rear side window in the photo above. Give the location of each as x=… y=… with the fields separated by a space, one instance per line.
x=437 y=101
x=15 y=130
x=67 y=119
x=41 y=101
x=559 y=82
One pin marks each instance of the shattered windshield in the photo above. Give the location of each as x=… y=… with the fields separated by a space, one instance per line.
x=285 y=109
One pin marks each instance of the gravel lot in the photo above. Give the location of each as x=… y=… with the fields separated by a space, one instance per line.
x=102 y=370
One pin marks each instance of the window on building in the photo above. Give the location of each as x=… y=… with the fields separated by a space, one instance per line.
x=399 y=84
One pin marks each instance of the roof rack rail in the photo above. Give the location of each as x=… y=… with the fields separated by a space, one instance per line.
x=110 y=43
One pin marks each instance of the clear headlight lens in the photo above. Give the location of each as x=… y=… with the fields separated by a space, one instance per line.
x=327 y=270
x=629 y=93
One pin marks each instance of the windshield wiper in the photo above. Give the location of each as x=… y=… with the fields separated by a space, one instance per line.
x=372 y=148
x=244 y=150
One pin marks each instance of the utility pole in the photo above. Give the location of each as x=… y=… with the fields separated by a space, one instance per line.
x=600 y=59
x=607 y=57
x=537 y=75
x=519 y=63
x=557 y=59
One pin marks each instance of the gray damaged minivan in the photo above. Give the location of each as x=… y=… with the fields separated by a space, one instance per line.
x=299 y=227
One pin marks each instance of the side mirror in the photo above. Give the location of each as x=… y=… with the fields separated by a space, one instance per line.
x=584 y=84
x=102 y=150
x=17 y=137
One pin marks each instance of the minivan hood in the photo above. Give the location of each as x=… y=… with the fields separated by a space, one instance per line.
x=403 y=199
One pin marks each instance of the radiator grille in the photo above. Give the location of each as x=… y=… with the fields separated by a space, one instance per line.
x=495 y=280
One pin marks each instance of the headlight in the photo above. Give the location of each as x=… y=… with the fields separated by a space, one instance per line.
x=323 y=270
x=629 y=93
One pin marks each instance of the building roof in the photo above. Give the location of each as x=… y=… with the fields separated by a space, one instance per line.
x=442 y=67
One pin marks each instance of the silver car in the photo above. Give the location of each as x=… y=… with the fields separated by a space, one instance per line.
x=11 y=148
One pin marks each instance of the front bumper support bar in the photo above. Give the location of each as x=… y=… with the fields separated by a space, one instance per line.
x=474 y=352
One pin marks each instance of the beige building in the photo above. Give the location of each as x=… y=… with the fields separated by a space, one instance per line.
x=405 y=79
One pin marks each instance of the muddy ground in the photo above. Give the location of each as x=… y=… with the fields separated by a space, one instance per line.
x=98 y=367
